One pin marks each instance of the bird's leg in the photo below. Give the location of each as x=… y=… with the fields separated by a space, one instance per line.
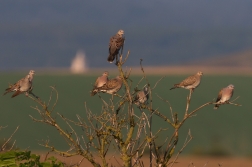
x=30 y=92
x=116 y=63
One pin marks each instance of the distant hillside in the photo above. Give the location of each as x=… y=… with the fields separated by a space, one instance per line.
x=55 y=46
x=240 y=59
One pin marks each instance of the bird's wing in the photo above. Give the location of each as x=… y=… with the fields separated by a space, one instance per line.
x=96 y=82
x=219 y=95
x=18 y=84
x=112 y=41
x=119 y=42
x=18 y=92
x=111 y=84
x=189 y=81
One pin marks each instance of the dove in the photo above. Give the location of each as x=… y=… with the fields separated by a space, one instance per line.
x=112 y=86
x=190 y=82
x=115 y=44
x=142 y=96
x=21 y=86
x=100 y=81
x=224 y=95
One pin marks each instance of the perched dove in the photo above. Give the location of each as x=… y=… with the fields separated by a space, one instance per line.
x=112 y=86
x=115 y=44
x=100 y=81
x=224 y=95
x=190 y=82
x=21 y=86
x=142 y=96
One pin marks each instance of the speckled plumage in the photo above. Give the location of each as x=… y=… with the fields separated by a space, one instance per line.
x=21 y=86
x=115 y=44
x=190 y=82
x=112 y=86
x=142 y=96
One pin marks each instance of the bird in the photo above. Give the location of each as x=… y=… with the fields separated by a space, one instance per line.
x=116 y=42
x=100 y=81
x=190 y=82
x=112 y=86
x=24 y=85
x=224 y=95
x=142 y=96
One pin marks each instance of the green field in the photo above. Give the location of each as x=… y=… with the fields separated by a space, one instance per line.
x=227 y=129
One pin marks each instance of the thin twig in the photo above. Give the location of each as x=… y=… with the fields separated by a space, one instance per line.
x=183 y=147
x=8 y=140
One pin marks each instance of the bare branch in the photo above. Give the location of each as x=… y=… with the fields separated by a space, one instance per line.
x=8 y=140
x=187 y=140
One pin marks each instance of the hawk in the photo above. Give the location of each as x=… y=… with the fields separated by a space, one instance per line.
x=115 y=44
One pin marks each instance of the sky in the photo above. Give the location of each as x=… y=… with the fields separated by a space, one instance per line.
x=52 y=32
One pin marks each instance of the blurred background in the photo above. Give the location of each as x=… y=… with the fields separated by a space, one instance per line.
x=49 y=34
x=60 y=37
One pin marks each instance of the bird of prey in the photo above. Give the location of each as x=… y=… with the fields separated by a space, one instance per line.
x=224 y=95
x=21 y=86
x=142 y=96
x=190 y=82
x=115 y=44
x=100 y=81
x=112 y=86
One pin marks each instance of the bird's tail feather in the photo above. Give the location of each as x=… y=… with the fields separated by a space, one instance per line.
x=175 y=86
x=8 y=90
x=16 y=93
x=111 y=58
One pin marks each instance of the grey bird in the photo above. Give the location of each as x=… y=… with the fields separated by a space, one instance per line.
x=100 y=81
x=224 y=95
x=24 y=85
x=116 y=42
x=190 y=82
x=112 y=86
x=142 y=96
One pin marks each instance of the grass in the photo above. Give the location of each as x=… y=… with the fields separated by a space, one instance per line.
x=228 y=127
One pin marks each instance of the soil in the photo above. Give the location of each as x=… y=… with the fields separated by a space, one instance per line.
x=182 y=161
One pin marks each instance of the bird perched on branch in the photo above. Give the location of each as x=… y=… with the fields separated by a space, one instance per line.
x=100 y=81
x=224 y=95
x=112 y=86
x=142 y=96
x=190 y=82
x=115 y=44
x=24 y=85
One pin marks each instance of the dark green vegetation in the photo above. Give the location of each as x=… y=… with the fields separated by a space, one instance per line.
x=226 y=129
x=26 y=159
